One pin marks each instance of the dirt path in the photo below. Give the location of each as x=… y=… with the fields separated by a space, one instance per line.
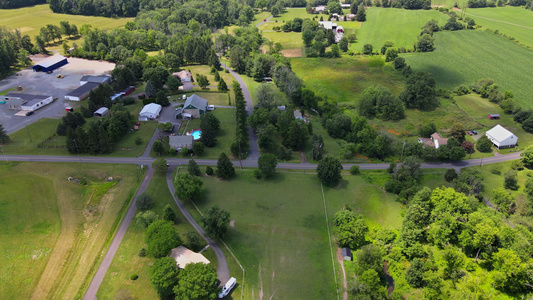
x=340 y=260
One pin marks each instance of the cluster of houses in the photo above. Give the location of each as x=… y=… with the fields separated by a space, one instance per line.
x=499 y=136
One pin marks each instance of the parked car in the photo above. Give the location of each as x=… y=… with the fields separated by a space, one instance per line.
x=210 y=107
x=29 y=113
x=469 y=132
x=474 y=132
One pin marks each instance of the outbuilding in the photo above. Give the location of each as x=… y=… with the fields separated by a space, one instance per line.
x=346 y=254
x=29 y=102
x=102 y=79
x=50 y=64
x=184 y=256
x=183 y=76
x=501 y=137
x=179 y=142
x=101 y=112
x=494 y=116
x=195 y=105
x=82 y=92
x=150 y=112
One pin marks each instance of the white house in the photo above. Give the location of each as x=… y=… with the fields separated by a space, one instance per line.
x=149 y=112
x=337 y=30
x=501 y=137
x=29 y=102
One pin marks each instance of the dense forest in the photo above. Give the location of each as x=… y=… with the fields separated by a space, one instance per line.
x=14 y=49
x=19 y=3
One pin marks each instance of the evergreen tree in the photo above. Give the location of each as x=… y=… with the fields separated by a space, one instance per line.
x=225 y=169
x=4 y=138
x=169 y=214
x=193 y=168
x=222 y=87
x=360 y=16
x=150 y=89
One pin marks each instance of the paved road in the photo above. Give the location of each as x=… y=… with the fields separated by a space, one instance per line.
x=222 y=269
x=108 y=258
x=250 y=163
x=253 y=153
x=263 y=22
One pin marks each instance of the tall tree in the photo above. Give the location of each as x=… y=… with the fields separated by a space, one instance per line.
x=267 y=164
x=164 y=276
x=329 y=171
x=197 y=281
x=187 y=186
x=161 y=237
x=225 y=169
x=4 y=138
x=216 y=222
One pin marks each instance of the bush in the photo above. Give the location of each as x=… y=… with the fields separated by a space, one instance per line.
x=185 y=151
x=517 y=165
x=144 y=201
x=134 y=276
x=198 y=148
x=354 y=170
x=496 y=171
x=142 y=252
x=257 y=174
x=209 y=171
x=138 y=141
x=450 y=175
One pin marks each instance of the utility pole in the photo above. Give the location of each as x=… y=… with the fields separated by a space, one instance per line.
x=27 y=130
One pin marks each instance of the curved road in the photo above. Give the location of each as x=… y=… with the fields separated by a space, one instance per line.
x=222 y=269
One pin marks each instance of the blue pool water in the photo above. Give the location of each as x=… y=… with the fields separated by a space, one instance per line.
x=196 y=135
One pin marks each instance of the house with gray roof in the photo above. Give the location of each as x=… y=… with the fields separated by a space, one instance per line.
x=179 y=142
x=195 y=106
x=102 y=79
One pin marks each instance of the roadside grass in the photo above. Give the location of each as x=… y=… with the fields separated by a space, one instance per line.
x=29 y=20
x=52 y=251
x=126 y=261
x=343 y=79
x=26 y=140
x=464 y=57
x=5 y=92
x=515 y=22
x=399 y=26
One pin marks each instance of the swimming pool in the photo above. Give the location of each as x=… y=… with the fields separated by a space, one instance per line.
x=196 y=135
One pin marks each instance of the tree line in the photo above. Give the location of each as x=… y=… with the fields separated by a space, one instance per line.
x=7 y=4
x=14 y=50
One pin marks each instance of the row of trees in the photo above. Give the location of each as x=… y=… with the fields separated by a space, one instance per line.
x=239 y=147
x=14 y=49
x=19 y=3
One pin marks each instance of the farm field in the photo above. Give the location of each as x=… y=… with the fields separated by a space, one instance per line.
x=25 y=141
x=29 y=20
x=515 y=22
x=51 y=251
x=342 y=79
x=464 y=57
x=280 y=234
x=117 y=281
x=399 y=26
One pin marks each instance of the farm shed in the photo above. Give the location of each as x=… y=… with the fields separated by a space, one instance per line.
x=494 y=116
x=50 y=64
x=346 y=254
x=128 y=90
x=82 y=92
x=501 y=137
x=179 y=142
x=195 y=105
x=29 y=102
x=101 y=112
x=149 y=112
x=184 y=256
x=102 y=79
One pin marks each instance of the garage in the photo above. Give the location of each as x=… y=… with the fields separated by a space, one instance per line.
x=82 y=92
x=50 y=64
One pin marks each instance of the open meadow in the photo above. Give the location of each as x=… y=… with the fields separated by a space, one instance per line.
x=466 y=56
x=54 y=231
x=399 y=26
x=515 y=22
x=117 y=280
x=29 y=20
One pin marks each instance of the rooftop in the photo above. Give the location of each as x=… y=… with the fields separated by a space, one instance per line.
x=28 y=97
x=499 y=133
x=50 y=61
x=180 y=139
x=83 y=89
x=184 y=256
x=98 y=79
x=196 y=101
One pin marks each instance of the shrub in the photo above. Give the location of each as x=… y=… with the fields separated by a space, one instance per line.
x=496 y=171
x=142 y=252
x=354 y=170
x=144 y=201
x=209 y=171
x=134 y=276
x=517 y=165
x=185 y=151
x=257 y=174
x=450 y=175
x=138 y=141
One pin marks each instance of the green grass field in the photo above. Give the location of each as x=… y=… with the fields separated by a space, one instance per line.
x=204 y=70
x=516 y=22
x=29 y=20
x=280 y=234
x=50 y=252
x=126 y=261
x=463 y=57
x=343 y=79
x=400 y=26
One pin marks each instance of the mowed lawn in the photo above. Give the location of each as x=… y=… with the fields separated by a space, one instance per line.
x=516 y=22
x=54 y=231
x=464 y=57
x=343 y=79
x=400 y=26
x=117 y=280
x=29 y=20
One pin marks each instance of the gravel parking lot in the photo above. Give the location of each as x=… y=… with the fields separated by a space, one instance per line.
x=48 y=84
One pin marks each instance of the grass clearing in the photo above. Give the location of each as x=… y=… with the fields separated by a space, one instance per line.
x=205 y=70
x=51 y=252
x=29 y=20
x=400 y=26
x=516 y=22
x=221 y=99
x=126 y=261
x=343 y=79
x=464 y=57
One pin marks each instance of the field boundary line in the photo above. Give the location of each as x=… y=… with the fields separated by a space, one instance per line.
x=500 y=21
x=242 y=285
x=330 y=246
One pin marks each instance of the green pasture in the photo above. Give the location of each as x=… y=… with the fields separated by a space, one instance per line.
x=50 y=252
x=29 y=20
x=289 y=40
x=493 y=181
x=126 y=261
x=399 y=26
x=204 y=70
x=212 y=98
x=515 y=22
x=464 y=57
x=343 y=79
x=291 y=13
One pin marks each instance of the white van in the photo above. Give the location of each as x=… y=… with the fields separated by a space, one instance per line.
x=227 y=287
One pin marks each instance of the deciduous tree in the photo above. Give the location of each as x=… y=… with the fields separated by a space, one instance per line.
x=164 y=276
x=187 y=186
x=329 y=171
x=267 y=164
x=216 y=222
x=197 y=281
x=161 y=237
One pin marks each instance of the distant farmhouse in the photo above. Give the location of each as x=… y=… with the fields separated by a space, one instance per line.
x=435 y=141
x=501 y=137
x=337 y=30
x=27 y=102
x=195 y=106
x=50 y=64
